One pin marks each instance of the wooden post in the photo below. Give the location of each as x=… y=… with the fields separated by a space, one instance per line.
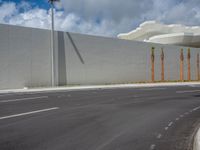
x=188 y=63
x=162 y=57
x=198 y=73
x=181 y=65
x=152 y=65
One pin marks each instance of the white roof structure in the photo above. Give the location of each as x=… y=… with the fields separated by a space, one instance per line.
x=175 y=34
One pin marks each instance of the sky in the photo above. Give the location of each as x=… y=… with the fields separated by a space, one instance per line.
x=99 y=17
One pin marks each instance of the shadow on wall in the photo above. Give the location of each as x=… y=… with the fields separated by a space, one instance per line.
x=75 y=48
x=62 y=71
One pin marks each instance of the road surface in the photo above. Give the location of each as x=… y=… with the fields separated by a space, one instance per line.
x=163 y=118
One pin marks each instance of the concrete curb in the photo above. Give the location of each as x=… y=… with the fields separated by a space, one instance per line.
x=95 y=87
x=197 y=141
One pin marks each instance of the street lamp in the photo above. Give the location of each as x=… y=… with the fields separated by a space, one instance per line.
x=52 y=42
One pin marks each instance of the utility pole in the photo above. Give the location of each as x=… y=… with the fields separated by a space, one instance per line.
x=52 y=43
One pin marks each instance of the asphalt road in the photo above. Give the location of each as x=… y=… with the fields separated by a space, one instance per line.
x=114 y=119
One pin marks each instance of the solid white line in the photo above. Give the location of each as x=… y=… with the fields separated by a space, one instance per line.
x=28 y=113
x=22 y=99
x=189 y=91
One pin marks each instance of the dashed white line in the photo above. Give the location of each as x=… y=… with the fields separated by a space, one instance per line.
x=196 y=108
x=170 y=124
x=166 y=128
x=159 y=136
x=186 y=113
x=181 y=116
x=177 y=119
x=28 y=113
x=60 y=96
x=22 y=99
x=6 y=95
x=152 y=147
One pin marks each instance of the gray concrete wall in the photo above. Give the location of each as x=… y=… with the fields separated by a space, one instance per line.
x=24 y=57
x=81 y=59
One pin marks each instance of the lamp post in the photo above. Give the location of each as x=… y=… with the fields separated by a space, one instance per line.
x=52 y=42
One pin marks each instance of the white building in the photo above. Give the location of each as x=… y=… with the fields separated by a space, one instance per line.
x=174 y=34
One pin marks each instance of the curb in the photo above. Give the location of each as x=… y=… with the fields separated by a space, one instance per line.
x=95 y=87
x=197 y=141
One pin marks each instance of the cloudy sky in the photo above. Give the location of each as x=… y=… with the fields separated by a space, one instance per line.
x=99 y=17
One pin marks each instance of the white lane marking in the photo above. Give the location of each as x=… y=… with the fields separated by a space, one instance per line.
x=28 y=113
x=186 y=113
x=181 y=116
x=60 y=96
x=6 y=95
x=170 y=124
x=189 y=91
x=22 y=99
x=152 y=147
x=159 y=136
x=166 y=128
x=177 y=119
x=196 y=108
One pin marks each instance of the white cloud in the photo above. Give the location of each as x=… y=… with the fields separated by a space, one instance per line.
x=7 y=10
x=102 y=17
x=40 y=18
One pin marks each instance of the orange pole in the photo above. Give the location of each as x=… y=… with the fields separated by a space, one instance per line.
x=152 y=65
x=181 y=65
x=188 y=62
x=198 y=74
x=162 y=56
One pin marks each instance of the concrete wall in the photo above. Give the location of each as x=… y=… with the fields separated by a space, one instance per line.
x=81 y=59
x=24 y=57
